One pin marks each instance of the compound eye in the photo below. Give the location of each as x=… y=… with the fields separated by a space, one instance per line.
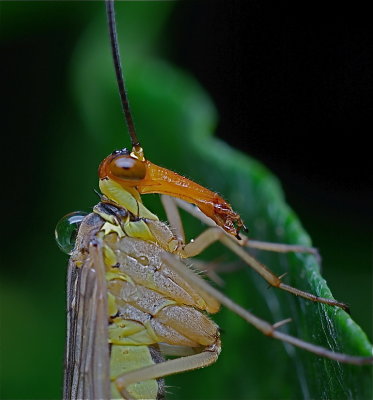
x=127 y=167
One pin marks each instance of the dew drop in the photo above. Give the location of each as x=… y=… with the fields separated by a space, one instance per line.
x=67 y=229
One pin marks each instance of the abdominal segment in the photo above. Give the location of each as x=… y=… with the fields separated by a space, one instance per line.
x=144 y=314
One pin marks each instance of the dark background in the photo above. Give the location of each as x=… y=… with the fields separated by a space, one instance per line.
x=293 y=88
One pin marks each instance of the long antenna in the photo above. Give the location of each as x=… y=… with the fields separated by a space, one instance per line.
x=118 y=71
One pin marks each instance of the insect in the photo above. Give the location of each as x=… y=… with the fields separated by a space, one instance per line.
x=129 y=287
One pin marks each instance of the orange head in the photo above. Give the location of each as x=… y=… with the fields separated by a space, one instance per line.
x=137 y=176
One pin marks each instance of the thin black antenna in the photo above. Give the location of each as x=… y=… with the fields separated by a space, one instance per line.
x=118 y=71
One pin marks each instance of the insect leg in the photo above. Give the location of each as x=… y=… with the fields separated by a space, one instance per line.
x=265 y=327
x=213 y=234
x=173 y=217
x=174 y=220
x=245 y=241
x=280 y=247
x=216 y=234
x=206 y=357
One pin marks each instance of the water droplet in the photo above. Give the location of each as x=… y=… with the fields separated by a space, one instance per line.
x=67 y=229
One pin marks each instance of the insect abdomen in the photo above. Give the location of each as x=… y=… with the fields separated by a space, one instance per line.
x=149 y=305
x=128 y=358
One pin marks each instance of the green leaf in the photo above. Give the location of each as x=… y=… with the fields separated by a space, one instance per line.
x=175 y=120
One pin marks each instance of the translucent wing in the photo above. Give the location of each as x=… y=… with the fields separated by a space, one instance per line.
x=87 y=351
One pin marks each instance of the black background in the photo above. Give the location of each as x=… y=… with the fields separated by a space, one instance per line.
x=294 y=89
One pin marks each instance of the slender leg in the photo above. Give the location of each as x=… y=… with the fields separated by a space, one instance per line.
x=280 y=247
x=210 y=354
x=173 y=217
x=206 y=357
x=265 y=327
x=245 y=241
x=213 y=234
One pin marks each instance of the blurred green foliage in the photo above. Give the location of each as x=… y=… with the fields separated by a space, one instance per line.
x=175 y=119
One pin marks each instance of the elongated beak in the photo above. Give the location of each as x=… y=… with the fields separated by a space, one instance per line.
x=163 y=181
x=139 y=176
